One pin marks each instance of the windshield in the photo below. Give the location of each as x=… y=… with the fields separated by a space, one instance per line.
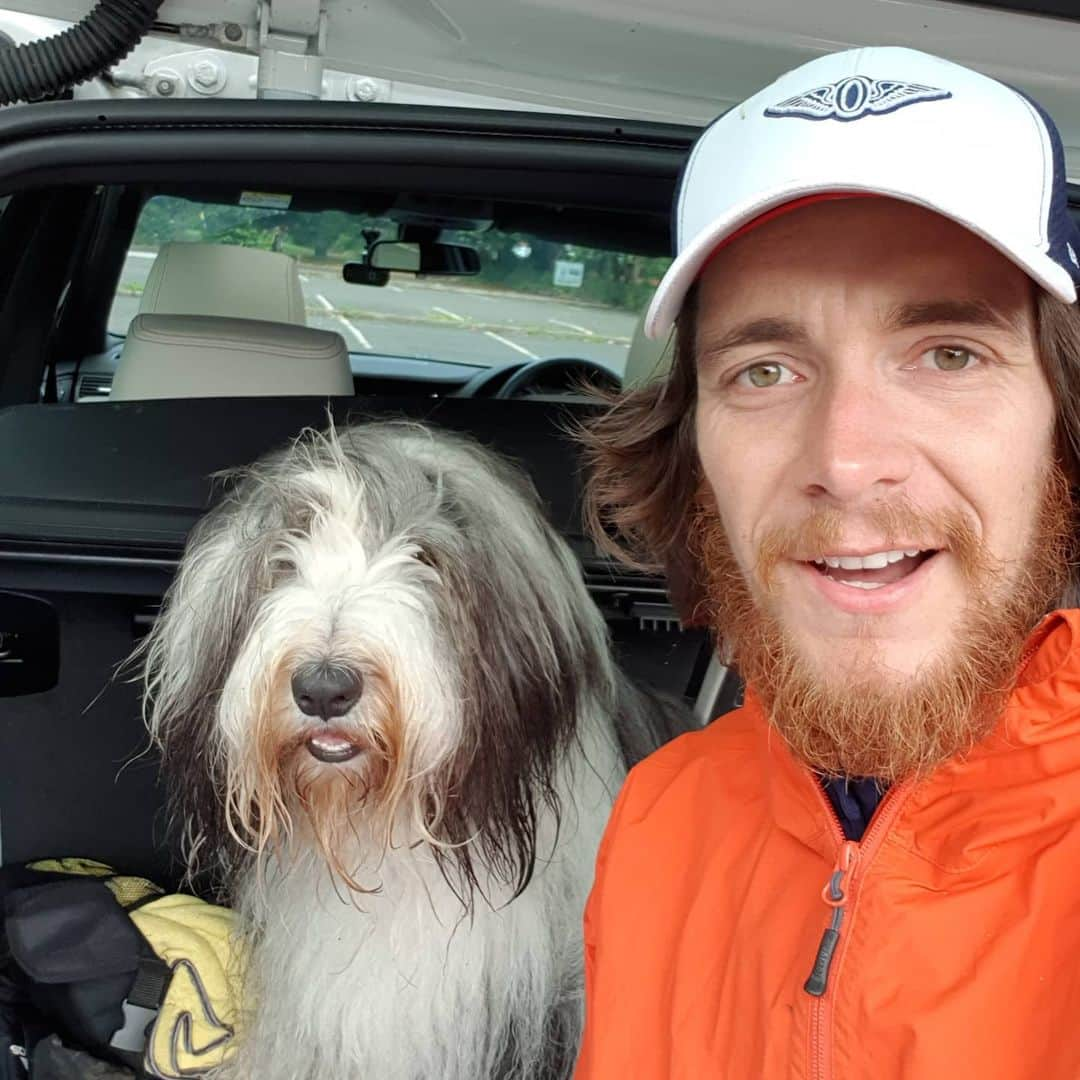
x=532 y=299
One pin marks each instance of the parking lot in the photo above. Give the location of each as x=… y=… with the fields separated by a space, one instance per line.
x=435 y=320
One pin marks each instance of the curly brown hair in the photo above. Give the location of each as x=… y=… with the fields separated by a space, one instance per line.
x=643 y=474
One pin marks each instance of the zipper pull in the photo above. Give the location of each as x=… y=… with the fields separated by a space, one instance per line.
x=834 y=897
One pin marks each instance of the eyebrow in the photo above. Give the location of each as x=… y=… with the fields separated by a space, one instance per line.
x=753 y=332
x=953 y=313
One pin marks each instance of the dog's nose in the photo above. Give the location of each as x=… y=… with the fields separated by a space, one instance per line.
x=326 y=690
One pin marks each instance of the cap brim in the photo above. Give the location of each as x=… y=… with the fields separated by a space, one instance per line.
x=683 y=272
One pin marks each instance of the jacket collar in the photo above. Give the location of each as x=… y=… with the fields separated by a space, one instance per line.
x=1024 y=775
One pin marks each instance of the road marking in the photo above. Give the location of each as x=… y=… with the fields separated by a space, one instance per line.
x=355 y=332
x=364 y=343
x=509 y=344
x=304 y=277
x=571 y=326
x=395 y=288
x=142 y=254
x=448 y=314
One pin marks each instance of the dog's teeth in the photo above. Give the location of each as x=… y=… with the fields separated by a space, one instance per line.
x=332 y=749
x=330 y=742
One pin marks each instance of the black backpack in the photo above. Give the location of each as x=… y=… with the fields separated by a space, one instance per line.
x=78 y=983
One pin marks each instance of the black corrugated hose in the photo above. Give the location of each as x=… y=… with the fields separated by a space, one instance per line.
x=43 y=68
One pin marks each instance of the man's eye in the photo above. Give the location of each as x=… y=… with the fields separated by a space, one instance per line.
x=762 y=376
x=950 y=358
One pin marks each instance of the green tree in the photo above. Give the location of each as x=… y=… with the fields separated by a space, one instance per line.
x=320 y=232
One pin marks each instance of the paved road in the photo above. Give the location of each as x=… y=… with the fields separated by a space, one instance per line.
x=439 y=320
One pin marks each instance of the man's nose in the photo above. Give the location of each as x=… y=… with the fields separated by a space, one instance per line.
x=857 y=444
x=326 y=690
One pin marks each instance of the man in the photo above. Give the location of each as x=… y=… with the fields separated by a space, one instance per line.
x=859 y=470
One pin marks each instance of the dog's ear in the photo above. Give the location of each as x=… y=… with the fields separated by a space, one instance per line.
x=187 y=658
x=533 y=651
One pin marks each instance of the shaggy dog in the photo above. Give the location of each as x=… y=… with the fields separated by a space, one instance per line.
x=392 y=732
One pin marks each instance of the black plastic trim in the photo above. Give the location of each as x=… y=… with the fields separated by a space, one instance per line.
x=578 y=160
x=127 y=478
x=64 y=568
x=142 y=115
x=67 y=558
x=1056 y=9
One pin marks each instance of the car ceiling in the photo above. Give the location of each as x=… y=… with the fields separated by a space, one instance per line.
x=680 y=61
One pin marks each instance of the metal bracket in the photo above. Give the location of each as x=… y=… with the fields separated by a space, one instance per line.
x=204 y=72
x=712 y=686
x=655 y=617
x=292 y=43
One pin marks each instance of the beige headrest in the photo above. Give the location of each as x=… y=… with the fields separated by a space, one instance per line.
x=223 y=279
x=199 y=356
x=647 y=359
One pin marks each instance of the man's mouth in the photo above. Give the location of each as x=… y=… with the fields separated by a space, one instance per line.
x=874 y=570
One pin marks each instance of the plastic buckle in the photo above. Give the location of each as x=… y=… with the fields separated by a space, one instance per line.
x=131 y=1036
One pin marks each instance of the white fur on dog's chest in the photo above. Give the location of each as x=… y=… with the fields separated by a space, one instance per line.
x=401 y=983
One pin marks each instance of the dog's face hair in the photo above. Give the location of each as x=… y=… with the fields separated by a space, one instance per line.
x=417 y=570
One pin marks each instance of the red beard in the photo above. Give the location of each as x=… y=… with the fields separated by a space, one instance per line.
x=867 y=725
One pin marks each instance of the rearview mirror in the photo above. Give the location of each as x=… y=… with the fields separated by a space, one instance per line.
x=362 y=274
x=394 y=255
x=423 y=258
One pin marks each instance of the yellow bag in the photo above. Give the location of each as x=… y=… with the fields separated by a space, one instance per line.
x=180 y=1014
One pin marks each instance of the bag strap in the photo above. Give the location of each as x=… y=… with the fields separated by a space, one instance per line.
x=141 y=1006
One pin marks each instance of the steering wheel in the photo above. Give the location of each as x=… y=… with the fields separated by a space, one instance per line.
x=565 y=368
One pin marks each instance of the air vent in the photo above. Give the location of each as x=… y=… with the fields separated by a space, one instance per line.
x=93 y=387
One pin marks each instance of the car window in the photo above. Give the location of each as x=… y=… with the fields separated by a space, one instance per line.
x=532 y=299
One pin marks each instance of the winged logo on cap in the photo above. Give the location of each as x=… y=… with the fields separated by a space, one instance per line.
x=855 y=97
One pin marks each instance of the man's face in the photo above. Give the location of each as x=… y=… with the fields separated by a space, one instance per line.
x=864 y=355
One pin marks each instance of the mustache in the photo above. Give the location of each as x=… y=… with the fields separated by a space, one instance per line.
x=900 y=524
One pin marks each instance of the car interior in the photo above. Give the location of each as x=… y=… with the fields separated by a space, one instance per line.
x=120 y=403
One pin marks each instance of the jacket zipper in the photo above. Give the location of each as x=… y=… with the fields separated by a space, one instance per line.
x=838 y=895
x=1026 y=659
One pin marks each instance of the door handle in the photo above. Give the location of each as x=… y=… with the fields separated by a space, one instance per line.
x=9 y=648
x=29 y=644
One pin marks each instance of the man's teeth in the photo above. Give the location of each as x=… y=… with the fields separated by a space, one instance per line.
x=875 y=561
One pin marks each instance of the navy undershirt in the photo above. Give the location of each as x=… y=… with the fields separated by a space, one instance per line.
x=854 y=802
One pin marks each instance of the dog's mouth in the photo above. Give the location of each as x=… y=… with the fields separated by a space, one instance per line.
x=332 y=748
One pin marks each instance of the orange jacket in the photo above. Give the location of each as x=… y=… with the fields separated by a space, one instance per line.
x=958 y=953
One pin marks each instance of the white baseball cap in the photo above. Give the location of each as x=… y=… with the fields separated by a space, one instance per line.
x=882 y=121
